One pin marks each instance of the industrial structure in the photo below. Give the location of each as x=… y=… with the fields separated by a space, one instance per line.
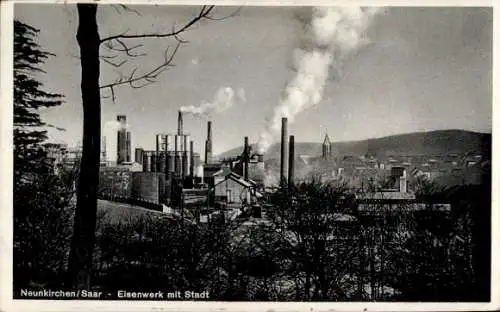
x=173 y=175
x=124 y=138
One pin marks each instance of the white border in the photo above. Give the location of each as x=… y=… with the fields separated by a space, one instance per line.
x=6 y=302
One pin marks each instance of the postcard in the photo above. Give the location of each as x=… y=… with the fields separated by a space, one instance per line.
x=248 y=156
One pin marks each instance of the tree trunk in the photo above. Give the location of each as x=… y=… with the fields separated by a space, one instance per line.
x=83 y=240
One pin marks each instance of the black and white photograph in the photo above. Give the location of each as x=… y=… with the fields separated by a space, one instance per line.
x=251 y=153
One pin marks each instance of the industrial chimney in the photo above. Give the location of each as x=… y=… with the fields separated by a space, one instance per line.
x=291 y=161
x=177 y=158
x=179 y=123
x=191 y=158
x=208 y=144
x=128 y=147
x=121 y=139
x=185 y=156
x=284 y=149
x=245 y=159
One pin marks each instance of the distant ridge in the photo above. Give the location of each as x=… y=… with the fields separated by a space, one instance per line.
x=435 y=142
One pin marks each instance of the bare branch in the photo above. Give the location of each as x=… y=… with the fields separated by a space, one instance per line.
x=114 y=64
x=125 y=8
x=108 y=56
x=126 y=49
x=147 y=78
x=117 y=43
x=204 y=14
x=128 y=9
x=235 y=13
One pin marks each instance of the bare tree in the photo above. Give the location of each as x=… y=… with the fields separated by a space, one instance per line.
x=311 y=216
x=83 y=240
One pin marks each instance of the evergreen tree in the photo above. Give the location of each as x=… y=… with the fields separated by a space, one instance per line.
x=28 y=99
x=42 y=213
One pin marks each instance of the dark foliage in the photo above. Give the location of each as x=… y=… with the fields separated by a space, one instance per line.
x=29 y=98
x=42 y=209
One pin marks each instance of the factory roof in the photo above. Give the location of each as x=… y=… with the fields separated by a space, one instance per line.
x=238 y=179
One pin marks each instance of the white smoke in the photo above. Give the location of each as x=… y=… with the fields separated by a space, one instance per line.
x=224 y=98
x=271 y=178
x=331 y=35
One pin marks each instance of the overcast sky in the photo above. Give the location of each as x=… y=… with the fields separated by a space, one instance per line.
x=425 y=69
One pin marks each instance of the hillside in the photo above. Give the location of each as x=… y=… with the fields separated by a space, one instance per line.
x=426 y=143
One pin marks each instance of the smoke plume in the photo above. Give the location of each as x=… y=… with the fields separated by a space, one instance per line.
x=224 y=98
x=331 y=35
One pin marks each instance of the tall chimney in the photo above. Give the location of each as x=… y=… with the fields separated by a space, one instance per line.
x=184 y=156
x=208 y=144
x=206 y=151
x=245 y=160
x=128 y=147
x=191 y=158
x=158 y=149
x=209 y=130
x=284 y=149
x=179 y=123
x=176 y=155
x=121 y=145
x=291 y=161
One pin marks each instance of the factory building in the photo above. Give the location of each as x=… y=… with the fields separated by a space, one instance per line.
x=170 y=172
x=235 y=190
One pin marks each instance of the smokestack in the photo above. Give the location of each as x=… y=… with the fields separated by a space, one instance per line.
x=291 y=161
x=158 y=149
x=191 y=158
x=128 y=147
x=209 y=131
x=179 y=123
x=206 y=152
x=185 y=157
x=176 y=155
x=245 y=160
x=284 y=149
x=208 y=144
x=121 y=139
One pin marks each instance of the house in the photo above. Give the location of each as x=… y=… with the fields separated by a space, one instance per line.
x=235 y=190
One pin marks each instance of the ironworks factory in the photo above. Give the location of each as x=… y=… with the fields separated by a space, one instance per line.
x=173 y=176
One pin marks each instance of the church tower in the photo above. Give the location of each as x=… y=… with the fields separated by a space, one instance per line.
x=327 y=147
